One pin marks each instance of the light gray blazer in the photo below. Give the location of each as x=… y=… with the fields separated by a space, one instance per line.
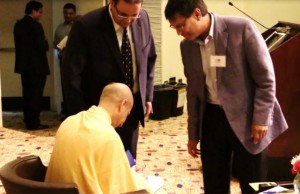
x=246 y=86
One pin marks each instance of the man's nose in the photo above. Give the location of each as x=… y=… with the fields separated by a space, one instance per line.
x=179 y=31
x=129 y=20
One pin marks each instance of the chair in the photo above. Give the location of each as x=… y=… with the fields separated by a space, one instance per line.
x=26 y=175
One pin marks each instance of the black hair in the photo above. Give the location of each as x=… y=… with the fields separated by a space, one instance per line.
x=184 y=8
x=33 y=5
x=70 y=6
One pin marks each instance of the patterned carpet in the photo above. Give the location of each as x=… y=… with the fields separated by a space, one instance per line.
x=161 y=150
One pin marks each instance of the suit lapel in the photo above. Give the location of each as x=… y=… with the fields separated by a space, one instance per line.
x=137 y=39
x=113 y=43
x=221 y=38
x=110 y=37
x=195 y=51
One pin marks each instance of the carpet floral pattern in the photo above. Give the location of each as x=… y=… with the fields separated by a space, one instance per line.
x=161 y=150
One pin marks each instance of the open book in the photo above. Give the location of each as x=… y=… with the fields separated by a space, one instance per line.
x=155 y=182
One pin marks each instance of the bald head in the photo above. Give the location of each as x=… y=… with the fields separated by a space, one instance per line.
x=115 y=92
x=117 y=99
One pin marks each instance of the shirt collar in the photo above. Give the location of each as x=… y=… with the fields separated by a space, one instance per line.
x=211 y=31
x=69 y=23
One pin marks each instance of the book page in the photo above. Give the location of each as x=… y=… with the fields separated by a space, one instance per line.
x=62 y=44
x=155 y=182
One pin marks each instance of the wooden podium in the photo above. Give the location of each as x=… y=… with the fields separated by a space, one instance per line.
x=286 y=60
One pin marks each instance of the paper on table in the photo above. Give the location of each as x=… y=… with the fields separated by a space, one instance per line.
x=255 y=185
x=276 y=189
x=155 y=182
x=62 y=44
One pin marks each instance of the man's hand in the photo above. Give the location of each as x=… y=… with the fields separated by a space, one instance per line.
x=258 y=132
x=149 y=109
x=192 y=148
x=138 y=168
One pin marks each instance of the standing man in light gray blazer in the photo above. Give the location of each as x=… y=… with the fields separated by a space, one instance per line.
x=232 y=108
x=92 y=59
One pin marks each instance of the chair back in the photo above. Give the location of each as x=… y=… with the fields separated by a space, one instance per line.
x=26 y=175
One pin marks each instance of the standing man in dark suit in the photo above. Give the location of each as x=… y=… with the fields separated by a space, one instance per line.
x=232 y=106
x=93 y=58
x=31 y=62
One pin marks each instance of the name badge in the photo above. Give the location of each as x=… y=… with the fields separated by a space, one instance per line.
x=218 y=61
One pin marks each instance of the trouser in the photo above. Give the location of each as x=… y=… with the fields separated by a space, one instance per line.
x=63 y=106
x=33 y=87
x=130 y=129
x=222 y=153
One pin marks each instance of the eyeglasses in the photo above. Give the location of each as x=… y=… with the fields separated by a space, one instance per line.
x=179 y=26
x=124 y=16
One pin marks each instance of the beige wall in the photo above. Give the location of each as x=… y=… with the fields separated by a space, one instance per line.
x=10 y=12
x=267 y=12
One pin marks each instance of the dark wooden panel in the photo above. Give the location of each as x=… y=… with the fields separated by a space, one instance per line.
x=286 y=60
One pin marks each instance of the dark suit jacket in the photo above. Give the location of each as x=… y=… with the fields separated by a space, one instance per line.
x=246 y=86
x=31 y=47
x=92 y=59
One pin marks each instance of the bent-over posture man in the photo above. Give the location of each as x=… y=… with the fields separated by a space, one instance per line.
x=89 y=152
x=111 y=44
x=232 y=108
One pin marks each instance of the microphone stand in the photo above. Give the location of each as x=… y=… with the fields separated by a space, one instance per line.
x=231 y=4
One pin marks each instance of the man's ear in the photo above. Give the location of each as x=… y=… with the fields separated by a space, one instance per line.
x=197 y=14
x=123 y=104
